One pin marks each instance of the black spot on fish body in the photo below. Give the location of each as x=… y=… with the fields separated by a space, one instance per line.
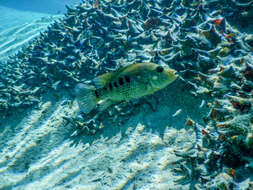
x=159 y=69
x=104 y=88
x=127 y=78
x=110 y=86
x=121 y=81
x=115 y=84
x=96 y=93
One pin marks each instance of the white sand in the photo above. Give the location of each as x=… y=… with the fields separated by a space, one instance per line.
x=39 y=152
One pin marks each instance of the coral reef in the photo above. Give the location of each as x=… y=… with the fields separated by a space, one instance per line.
x=202 y=40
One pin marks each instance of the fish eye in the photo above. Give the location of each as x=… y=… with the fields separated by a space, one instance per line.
x=159 y=69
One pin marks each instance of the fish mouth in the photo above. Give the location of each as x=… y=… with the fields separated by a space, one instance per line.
x=172 y=74
x=176 y=75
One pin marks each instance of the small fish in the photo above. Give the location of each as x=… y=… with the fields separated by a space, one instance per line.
x=132 y=81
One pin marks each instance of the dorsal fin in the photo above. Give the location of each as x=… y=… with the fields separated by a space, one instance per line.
x=103 y=80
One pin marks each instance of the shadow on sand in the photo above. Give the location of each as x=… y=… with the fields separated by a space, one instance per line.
x=170 y=100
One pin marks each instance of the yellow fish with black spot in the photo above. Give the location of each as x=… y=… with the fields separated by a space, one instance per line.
x=132 y=81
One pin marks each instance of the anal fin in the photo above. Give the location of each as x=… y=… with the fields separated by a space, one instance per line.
x=105 y=104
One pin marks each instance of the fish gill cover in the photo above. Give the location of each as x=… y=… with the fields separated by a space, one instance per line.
x=207 y=42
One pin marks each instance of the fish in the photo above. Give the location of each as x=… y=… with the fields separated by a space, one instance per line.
x=130 y=82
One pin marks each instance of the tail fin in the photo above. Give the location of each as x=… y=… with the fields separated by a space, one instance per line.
x=86 y=97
